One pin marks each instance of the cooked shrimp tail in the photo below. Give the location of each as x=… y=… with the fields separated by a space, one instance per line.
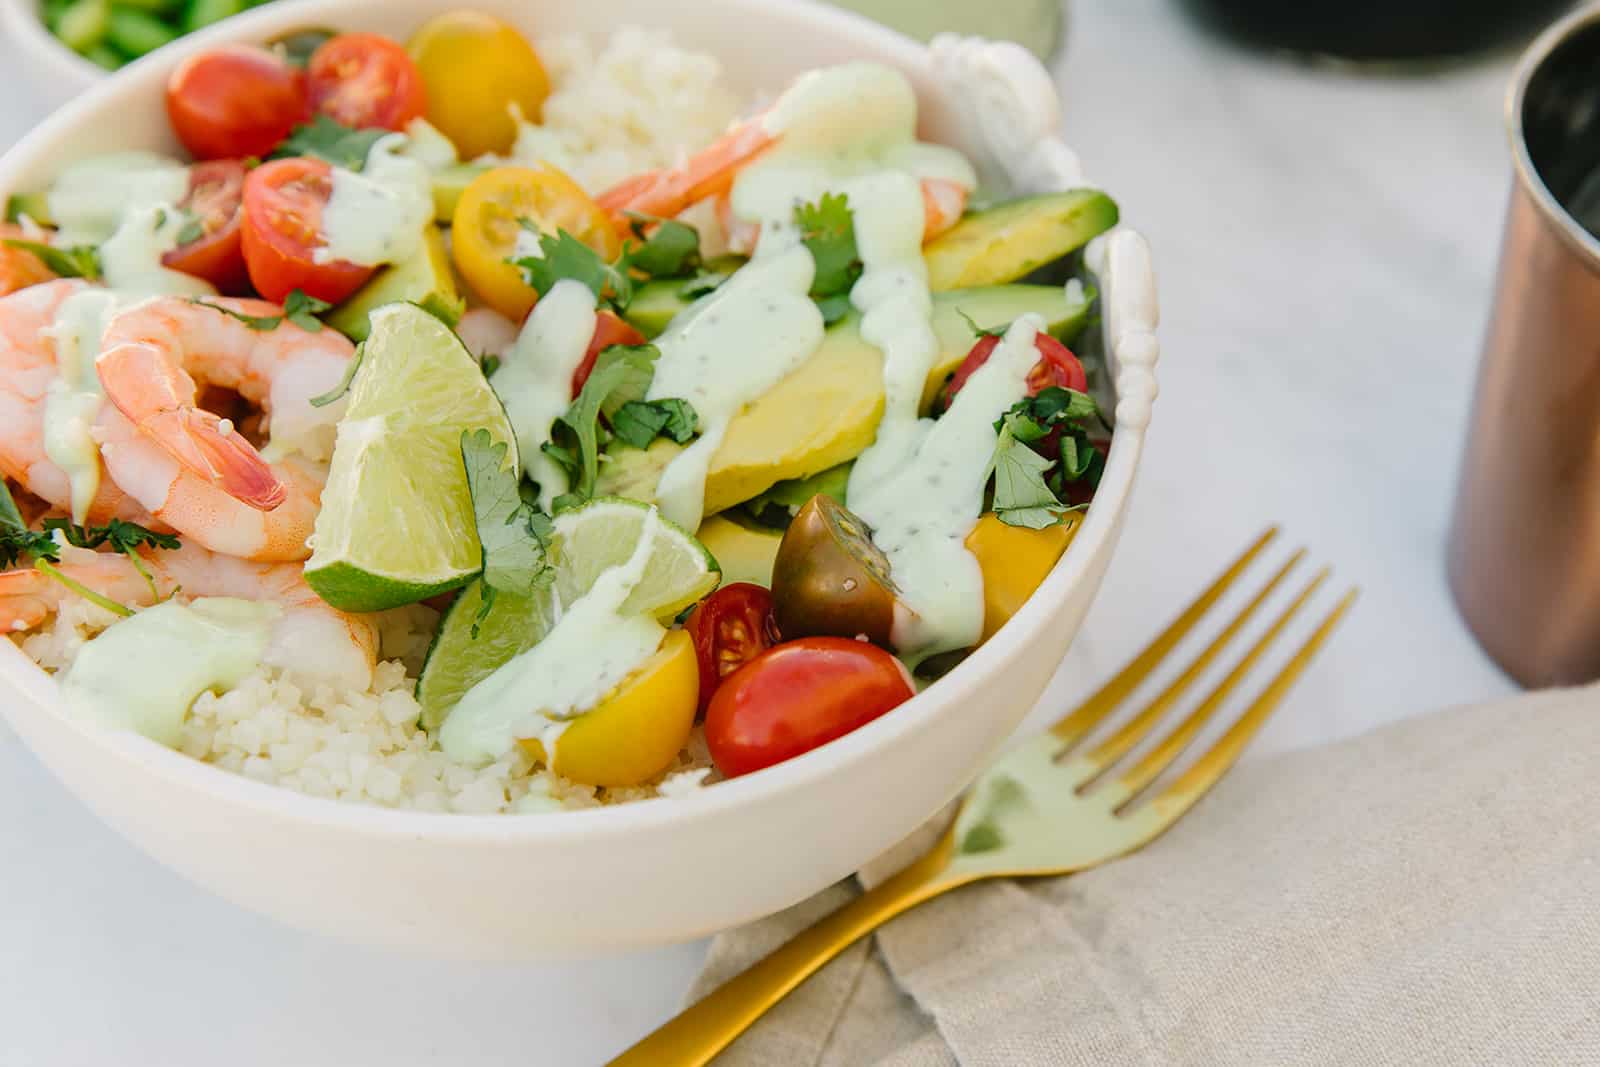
x=159 y=396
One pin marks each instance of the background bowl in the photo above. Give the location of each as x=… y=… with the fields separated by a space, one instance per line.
x=662 y=870
x=51 y=72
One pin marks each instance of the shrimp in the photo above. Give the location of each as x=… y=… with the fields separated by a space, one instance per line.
x=27 y=369
x=19 y=268
x=154 y=355
x=711 y=172
x=204 y=512
x=309 y=639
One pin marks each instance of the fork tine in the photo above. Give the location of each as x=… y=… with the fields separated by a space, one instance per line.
x=1088 y=715
x=1134 y=730
x=1159 y=758
x=1192 y=784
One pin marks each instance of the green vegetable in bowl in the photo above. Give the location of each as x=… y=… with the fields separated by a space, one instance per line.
x=111 y=33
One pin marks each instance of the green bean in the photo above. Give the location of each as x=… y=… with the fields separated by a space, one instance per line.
x=103 y=55
x=82 y=24
x=202 y=13
x=136 y=33
x=167 y=9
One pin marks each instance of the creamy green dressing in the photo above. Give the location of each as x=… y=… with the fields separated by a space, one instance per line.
x=89 y=199
x=143 y=673
x=378 y=215
x=589 y=650
x=130 y=259
x=534 y=380
x=73 y=398
x=732 y=346
x=922 y=512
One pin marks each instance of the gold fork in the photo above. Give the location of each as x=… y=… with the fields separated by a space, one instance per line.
x=1043 y=809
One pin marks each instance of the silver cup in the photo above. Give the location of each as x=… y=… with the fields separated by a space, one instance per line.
x=1525 y=543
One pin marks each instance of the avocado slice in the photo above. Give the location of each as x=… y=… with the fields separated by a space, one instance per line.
x=827 y=411
x=35 y=205
x=448 y=185
x=423 y=275
x=655 y=302
x=1010 y=240
x=744 y=550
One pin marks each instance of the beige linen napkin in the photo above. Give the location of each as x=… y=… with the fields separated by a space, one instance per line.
x=1427 y=893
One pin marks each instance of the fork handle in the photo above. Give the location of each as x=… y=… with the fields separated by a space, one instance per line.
x=710 y=1025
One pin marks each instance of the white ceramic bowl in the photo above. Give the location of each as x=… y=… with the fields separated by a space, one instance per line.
x=53 y=72
x=662 y=870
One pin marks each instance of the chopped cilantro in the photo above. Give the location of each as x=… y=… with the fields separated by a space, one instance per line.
x=707 y=281
x=44 y=548
x=515 y=534
x=983 y=331
x=564 y=256
x=338 y=391
x=323 y=138
x=191 y=230
x=298 y=308
x=828 y=230
x=490 y=363
x=665 y=249
x=638 y=422
x=621 y=374
x=72 y=261
x=1028 y=487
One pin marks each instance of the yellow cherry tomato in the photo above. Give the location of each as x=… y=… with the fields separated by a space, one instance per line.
x=487 y=220
x=1015 y=560
x=474 y=67
x=636 y=731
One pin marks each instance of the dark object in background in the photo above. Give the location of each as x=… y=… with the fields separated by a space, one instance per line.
x=1378 y=29
x=1525 y=543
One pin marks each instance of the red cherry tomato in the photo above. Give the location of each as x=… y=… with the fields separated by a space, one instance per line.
x=608 y=330
x=235 y=100
x=216 y=190
x=283 y=202
x=797 y=696
x=1057 y=366
x=364 y=80
x=730 y=628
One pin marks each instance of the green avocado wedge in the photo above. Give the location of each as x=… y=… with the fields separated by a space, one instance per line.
x=827 y=411
x=1012 y=240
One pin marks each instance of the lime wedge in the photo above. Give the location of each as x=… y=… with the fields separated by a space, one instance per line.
x=587 y=542
x=396 y=524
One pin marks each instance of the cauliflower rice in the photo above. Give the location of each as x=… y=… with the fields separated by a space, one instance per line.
x=637 y=103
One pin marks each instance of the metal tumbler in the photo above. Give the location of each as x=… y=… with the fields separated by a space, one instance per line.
x=1525 y=542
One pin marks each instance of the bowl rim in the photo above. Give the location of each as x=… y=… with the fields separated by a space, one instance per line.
x=26 y=22
x=36 y=690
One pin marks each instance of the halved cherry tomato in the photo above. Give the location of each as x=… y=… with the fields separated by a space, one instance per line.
x=608 y=330
x=1057 y=366
x=216 y=191
x=475 y=67
x=235 y=100
x=730 y=628
x=365 y=80
x=283 y=202
x=636 y=730
x=829 y=578
x=487 y=222
x=797 y=696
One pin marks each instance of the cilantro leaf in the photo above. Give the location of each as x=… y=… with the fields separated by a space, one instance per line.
x=16 y=540
x=983 y=331
x=638 y=422
x=44 y=548
x=323 y=138
x=302 y=309
x=255 y=322
x=1021 y=497
x=338 y=391
x=666 y=249
x=514 y=535
x=834 y=307
x=191 y=230
x=72 y=261
x=564 y=256
x=621 y=374
x=828 y=230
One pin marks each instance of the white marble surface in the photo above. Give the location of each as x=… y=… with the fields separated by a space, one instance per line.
x=1325 y=240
